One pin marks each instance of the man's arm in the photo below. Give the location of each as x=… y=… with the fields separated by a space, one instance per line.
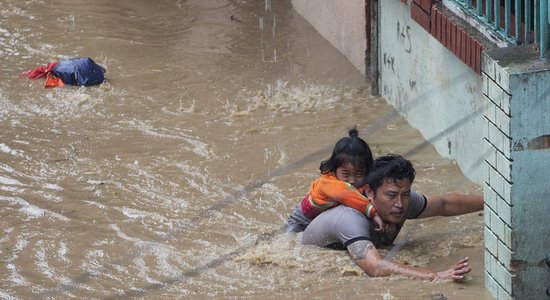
x=451 y=205
x=367 y=257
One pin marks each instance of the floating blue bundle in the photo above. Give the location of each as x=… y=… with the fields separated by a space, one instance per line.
x=79 y=71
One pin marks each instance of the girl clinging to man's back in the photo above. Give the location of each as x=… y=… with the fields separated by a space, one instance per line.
x=342 y=181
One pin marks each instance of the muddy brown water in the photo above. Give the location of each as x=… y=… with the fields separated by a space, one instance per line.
x=173 y=179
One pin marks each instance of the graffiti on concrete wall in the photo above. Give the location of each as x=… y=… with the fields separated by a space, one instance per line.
x=404 y=39
x=404 y=36
x=393 y=58
x=389 y=61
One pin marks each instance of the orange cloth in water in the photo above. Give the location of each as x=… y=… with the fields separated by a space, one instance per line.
x=40 y=72
x=53 y=81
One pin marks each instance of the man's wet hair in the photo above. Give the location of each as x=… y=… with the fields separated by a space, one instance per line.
x=351 y=149
x=392 y=167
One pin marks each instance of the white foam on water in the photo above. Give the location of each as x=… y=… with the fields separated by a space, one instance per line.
x=6 y=296
x=387 y=295
x=32 y=211
x=20 y=245
x=164 y=255
x=272 y=193
x=52 y=198
x=94 y=203
x=93 y=262
x=181 y=109
x=196 y=146
x=53 y=186
x=196 y=179
x=42 y=260
x=9 y=181
x=5 y=104
x=152 y=188
x=134 y=240
x=133 y=213
x=64 y=103
x=143 y=270
x=42 y=250
x=284 y=99
x=11 y=189
x=13 y=11
x=15 y=277
x=73 y=102
x=152 y=221
x=6 y=168
x=62 y=252
x=6 y=149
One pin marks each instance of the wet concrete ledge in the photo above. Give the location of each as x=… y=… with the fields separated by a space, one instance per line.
x=519 y=59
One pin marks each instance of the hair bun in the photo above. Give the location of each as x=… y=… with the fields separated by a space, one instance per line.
x=353 y=132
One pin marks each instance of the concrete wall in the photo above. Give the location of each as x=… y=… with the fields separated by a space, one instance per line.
x=516 y=89
x=342 y=23
x=435 y=91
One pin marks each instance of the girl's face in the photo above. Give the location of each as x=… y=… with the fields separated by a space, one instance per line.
x=349 y=174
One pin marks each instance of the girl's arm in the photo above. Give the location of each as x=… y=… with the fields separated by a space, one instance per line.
x=328 y=188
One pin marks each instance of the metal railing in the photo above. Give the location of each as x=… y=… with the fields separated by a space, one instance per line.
x=514 y=21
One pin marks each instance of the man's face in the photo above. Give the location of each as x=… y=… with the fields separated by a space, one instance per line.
x=392 y=199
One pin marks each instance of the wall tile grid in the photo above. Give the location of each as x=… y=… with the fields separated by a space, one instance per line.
x=498 y=181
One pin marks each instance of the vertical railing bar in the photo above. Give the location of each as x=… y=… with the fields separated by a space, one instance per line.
x=507 y=18
x=489 y=10
x=537 y=21
x=497 y=15
x=528 y=20
x=479 y=6
x=544 y=24
x=518 y=18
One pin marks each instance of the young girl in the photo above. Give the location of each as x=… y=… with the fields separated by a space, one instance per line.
x=341 y=182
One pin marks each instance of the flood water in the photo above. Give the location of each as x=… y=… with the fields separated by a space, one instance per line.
x=173 y=179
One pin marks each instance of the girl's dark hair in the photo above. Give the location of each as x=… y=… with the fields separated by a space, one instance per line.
x=351 y=149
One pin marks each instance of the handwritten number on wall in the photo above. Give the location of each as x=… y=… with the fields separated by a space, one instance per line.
x=404 y=37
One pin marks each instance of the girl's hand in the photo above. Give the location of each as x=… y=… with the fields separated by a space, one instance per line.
x=379 y=224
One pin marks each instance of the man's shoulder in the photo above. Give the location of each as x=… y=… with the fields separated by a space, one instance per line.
x=342 y=209
x=417 y=205
x=347 y=218
x=339 y=218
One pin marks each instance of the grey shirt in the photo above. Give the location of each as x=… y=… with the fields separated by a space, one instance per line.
x=340 y=226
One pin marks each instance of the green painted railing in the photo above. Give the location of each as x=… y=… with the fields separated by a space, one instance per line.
x=515 y=21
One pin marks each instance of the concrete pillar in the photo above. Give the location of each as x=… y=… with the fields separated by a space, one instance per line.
x=516 y=92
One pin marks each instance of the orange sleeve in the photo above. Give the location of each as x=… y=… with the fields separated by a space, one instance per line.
x=327 y=188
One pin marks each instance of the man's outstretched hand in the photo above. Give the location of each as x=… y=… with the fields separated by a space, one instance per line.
x=456 y=272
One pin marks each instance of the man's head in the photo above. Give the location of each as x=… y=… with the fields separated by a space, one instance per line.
x=390 y=180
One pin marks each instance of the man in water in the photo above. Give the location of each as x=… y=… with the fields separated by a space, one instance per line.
x=389 y=180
